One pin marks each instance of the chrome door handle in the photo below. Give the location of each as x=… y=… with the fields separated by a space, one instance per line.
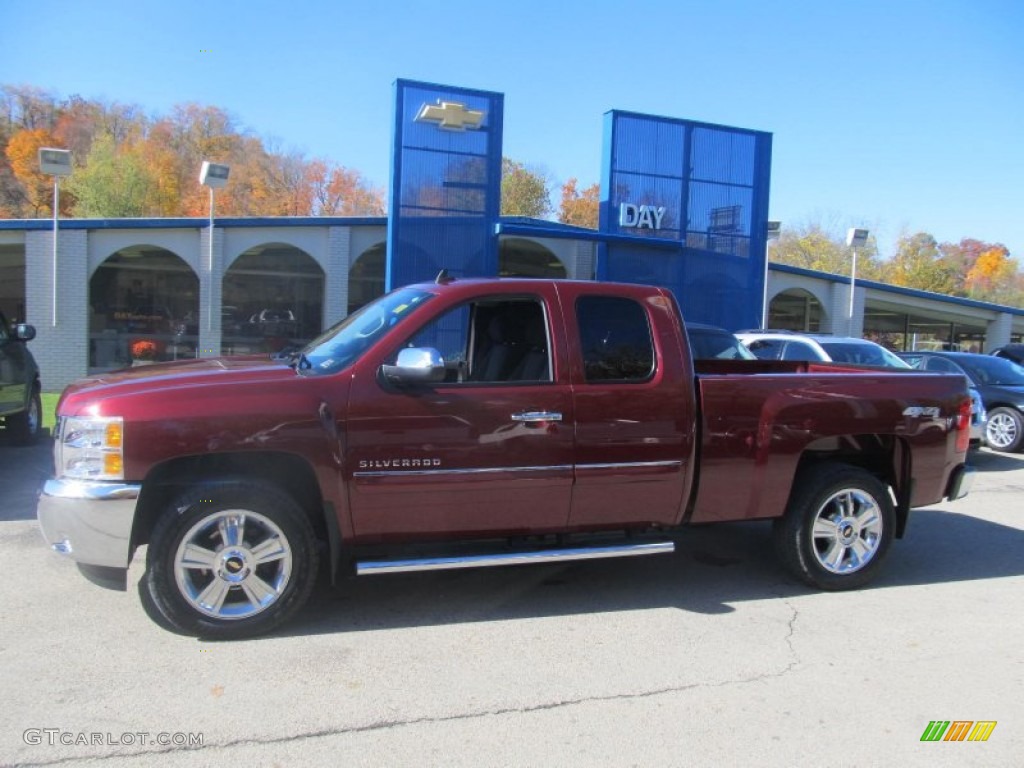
x=531 y=417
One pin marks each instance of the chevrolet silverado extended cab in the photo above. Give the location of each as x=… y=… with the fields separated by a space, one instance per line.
x=483 y=422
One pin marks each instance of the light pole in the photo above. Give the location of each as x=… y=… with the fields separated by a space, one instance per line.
x=56 y=163
x=772 y=233
x=214 y=176
x=855 y=238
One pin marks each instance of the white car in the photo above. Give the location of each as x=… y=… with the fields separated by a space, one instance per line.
x=783 y=345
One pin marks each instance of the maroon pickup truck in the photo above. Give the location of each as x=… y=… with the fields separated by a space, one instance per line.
x=469 y=423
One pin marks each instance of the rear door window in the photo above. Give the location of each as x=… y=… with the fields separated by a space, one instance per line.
x=615 y=338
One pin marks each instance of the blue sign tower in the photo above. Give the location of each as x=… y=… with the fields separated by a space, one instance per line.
x=445 y=195
x=684 y=205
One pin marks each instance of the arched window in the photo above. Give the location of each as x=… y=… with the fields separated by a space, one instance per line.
x=272 y=299
x=144 y=306
x=795 y=310
x=366 y=277
x=518 y=257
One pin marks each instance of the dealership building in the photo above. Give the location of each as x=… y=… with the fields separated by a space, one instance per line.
x=684 y=205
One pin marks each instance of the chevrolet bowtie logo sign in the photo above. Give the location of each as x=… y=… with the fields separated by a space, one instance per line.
x=450 y=116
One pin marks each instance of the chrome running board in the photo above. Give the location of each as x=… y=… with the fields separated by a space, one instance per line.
x=369 y=567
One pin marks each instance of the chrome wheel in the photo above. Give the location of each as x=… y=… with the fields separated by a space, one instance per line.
x=233 y=564
x=838 y=526
x=1003 y=430
x=847 y=531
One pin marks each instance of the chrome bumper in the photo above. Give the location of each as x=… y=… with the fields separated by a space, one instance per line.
x=89 y=522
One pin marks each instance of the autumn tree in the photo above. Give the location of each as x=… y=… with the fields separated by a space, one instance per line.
x=23 y=155
x=77 y=124
x=198 y=133
x=339 y=191
x=524 y=192
x=580 y=209
x=993 y=276
x=26 y=107
x=156 y=150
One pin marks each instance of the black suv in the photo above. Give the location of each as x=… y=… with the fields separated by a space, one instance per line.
x=1000 y=382
x=1014 y=352
x=20 y=404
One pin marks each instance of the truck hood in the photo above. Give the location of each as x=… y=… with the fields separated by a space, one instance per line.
x=183 y=374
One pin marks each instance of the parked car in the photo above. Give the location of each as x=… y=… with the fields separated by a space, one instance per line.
x=1014 y=352
x=709 y=342
x=20 y=401
x=1000 y=382
x=274 y=322
x=787 y=345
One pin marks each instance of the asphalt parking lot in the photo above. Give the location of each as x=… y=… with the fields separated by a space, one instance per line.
x=710 y=656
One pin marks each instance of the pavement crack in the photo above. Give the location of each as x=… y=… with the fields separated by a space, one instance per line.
x=383 y=725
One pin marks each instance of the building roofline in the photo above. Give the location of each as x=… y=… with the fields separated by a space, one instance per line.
x=197 y=222
x=897 y=290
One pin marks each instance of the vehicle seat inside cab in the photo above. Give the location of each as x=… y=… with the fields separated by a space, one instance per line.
x=511 y=342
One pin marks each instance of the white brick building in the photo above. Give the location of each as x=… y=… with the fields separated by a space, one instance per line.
x=129 y=288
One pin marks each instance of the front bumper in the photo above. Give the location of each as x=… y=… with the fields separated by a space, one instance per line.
x=90 y=522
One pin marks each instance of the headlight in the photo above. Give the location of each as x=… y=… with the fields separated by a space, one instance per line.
x=91 y=449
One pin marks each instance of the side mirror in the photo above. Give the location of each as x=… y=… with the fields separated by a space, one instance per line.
x=24 y=332
x=415 y=365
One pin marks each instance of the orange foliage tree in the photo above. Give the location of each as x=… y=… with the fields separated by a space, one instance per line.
x=340 y=191
x=23 y=154
x=992 y=278
x=580 y=208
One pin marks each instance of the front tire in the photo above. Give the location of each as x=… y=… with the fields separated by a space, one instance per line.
x=837 y=528
x=231 y=560
x=1004 y=429
x=24 y=427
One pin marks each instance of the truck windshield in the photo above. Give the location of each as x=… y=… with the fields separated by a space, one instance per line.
x=342 y=344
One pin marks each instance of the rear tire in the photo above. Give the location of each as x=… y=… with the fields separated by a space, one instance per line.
x=231 y=560
x=1004 y=430
x=837 y=528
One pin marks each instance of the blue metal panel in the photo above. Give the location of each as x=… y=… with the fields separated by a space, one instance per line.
x=702 y=187
x=445 y=183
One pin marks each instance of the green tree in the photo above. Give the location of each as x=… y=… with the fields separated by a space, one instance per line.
x=114 y=183
x=811 y=247
x=523 y=192
x=920 y=263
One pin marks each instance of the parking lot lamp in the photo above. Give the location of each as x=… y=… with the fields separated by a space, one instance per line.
x=774 y=230
x=55 y=162
x=855 y=238
x=214 y=176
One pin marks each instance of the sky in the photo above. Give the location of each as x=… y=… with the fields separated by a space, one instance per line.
x=899 y=115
